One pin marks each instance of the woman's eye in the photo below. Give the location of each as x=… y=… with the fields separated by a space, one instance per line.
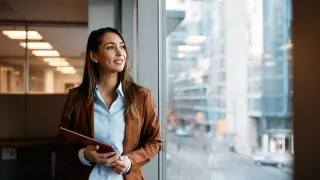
x=110 y=47
x=122 y=47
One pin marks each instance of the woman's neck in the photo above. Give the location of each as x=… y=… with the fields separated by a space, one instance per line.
x=109 y=83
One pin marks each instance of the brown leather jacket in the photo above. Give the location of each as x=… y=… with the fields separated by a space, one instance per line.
x=142 y=137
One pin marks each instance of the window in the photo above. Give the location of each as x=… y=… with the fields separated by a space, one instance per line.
x=272 y=69
x=273 y=104
x=254 y=70
x=54 y=64
x=247 y=105
x=254 y=87
x=254 y=104
x=278 y=123
x=273 y=85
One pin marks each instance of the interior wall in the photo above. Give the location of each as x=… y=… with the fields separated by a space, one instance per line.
x=12 y=116
x=306 y=88
x=29 y=126
x=148 y=63
x=38 y=10
x=104 y=13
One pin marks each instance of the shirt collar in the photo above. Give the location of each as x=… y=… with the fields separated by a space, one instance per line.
x=119 y=89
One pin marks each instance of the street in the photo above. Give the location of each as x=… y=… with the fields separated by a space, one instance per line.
x=187 y=160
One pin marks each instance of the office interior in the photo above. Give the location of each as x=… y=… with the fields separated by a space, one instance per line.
x=234 y=82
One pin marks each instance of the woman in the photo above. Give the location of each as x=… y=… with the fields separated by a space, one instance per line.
x=110 y=107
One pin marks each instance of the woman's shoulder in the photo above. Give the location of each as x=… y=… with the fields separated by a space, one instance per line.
x=143 y=90
x=75 y=92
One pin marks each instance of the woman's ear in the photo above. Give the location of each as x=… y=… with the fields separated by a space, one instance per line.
x=93 y=57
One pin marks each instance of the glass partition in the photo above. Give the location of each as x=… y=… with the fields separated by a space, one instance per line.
x=53 y=63
x=12 y=60
x=56 y=65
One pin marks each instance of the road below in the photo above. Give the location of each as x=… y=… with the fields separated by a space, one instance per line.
x=187 y=160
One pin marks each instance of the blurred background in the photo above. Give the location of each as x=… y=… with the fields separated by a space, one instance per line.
x=229 y=90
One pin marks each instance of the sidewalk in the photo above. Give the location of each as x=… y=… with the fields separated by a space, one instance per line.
x=287 y=170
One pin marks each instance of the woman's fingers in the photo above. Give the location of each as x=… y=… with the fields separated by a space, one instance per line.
x=120 y=164
x=118 y=169
x=110 y=154
x=111 y=160
x=90 y=151
x=92 y=148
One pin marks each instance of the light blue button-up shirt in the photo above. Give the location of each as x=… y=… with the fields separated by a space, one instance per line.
x=109 y=127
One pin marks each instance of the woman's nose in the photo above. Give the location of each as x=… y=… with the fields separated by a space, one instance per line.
x=118 y=52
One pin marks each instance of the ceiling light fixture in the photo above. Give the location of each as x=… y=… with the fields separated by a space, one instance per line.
x=36 y=45
x=32 y=35
x=54 y=60
x=62 y=63
x=45 y=53
x=67 y=70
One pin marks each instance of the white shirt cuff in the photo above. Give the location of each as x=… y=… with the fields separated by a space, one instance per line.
x=83 y=160
x=129 y=165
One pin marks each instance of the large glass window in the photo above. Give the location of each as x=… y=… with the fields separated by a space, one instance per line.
x=273 y=85
x=230 y=103
x=53 y=62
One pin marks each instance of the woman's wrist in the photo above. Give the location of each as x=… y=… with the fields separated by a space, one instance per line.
x=85 y=155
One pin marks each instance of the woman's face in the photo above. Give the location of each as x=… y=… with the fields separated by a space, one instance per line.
x=112 y=53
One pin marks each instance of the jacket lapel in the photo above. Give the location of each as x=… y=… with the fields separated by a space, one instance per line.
x=128 y=132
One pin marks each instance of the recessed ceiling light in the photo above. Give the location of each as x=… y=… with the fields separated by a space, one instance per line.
x=36 y=45
x=61 y=63
x=67 y=70
x=45 y=53
x=54 y=59
x=32 y=35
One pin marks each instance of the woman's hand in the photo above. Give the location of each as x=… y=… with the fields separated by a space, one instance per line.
x=107 y=159
x=121 y=165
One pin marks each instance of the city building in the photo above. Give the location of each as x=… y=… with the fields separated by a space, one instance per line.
x=238 y=76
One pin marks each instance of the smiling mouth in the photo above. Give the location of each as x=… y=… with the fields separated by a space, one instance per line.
x=118 y=61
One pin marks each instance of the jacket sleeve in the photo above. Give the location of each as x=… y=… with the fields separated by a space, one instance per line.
x=67 y=154
x=150 y=136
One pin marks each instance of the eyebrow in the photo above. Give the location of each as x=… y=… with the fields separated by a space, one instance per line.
x=113 y=43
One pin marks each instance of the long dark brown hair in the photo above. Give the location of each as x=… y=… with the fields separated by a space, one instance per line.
x=91 y=74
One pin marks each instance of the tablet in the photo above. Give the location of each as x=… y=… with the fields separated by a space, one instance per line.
x=76 y=138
